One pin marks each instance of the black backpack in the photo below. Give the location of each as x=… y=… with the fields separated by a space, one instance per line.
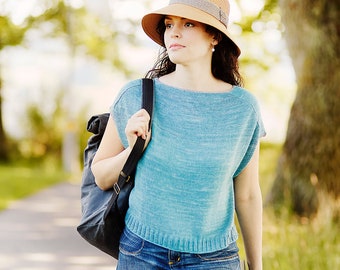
x=103 y=212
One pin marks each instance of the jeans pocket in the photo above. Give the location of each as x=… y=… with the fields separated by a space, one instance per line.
x=229 y=253
x=130 y=244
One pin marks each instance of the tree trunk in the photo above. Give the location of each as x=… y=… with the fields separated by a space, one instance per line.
x=309 y=166
x=3 y=141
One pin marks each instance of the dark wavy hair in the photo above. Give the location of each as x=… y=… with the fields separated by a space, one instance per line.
x=224 y=64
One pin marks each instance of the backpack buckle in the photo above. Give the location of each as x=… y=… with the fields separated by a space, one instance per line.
x=125 y=176
x=116 y=188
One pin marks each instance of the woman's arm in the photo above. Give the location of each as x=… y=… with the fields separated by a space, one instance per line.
x=111 y=154
x=248 y=200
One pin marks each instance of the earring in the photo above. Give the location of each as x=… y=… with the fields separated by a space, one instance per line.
x=213 y=49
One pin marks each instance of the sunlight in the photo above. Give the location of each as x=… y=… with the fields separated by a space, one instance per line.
x=17 y=15
x=28 y=8
x=39 y=257
x=88 y=77
x=252 y=7
x=120 y=9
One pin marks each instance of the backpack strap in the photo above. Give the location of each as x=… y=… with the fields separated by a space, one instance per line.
x=137 y=150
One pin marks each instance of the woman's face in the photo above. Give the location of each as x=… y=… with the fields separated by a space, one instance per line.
x=187 y=41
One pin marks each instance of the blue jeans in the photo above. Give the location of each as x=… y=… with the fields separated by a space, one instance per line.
x=138 y=254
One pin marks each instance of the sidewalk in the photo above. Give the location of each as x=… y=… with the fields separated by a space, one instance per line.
x=39 y=233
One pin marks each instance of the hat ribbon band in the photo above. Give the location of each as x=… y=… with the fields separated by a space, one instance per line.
x=207 y=7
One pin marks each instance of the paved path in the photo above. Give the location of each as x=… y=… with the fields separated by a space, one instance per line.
x=39 y=233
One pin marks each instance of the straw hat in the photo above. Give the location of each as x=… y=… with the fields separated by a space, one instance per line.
x=212 y=12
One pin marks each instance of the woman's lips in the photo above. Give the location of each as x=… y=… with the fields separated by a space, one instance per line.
x=176 y=46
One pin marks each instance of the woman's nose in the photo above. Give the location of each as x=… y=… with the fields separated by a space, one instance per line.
x=175 y=32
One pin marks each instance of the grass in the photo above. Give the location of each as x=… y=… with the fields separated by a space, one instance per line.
x=288 y=242
x=20 y=180
x=291 y=244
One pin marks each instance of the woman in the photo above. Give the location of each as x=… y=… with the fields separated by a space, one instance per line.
x=202 y=160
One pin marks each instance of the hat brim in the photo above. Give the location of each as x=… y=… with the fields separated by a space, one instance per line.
x=150 y=21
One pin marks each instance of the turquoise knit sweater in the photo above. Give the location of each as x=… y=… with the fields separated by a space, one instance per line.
x=183 y=198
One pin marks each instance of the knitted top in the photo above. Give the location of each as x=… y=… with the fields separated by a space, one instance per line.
x=183 y=198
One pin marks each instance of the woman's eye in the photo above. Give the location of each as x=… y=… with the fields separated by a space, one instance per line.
x=189 y=24
x=168 y=25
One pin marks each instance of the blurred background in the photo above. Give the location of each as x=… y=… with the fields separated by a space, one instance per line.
x=62 y=61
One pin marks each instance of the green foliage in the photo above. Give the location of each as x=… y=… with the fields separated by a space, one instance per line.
x=83 y=135
x=267 y=169
x=10 y=34
x=268 y=13
x=20 y=180
x=254 y=30
x=44 y=131
x=84 y=32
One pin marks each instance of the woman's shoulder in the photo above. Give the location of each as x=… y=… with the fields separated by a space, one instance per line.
x=131 y=86
x=245 y=96
x=129 y=90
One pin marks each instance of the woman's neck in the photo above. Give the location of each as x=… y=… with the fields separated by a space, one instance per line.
x=196 y=80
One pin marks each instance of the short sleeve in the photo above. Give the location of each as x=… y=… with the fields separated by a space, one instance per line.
x=127 y=102
x=258 y=132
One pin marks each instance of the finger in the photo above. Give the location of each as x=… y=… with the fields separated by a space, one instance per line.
x=140 y=122
x=140 y=132
x=144 y=114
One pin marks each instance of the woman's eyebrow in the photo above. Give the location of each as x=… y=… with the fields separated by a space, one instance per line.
x=169 y=17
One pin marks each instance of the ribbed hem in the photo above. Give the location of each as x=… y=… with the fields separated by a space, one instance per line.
x=169 y=240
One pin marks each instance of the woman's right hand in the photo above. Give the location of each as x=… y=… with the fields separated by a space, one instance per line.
x=138 y=125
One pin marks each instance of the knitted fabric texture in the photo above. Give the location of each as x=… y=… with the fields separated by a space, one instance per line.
x=183 y=198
